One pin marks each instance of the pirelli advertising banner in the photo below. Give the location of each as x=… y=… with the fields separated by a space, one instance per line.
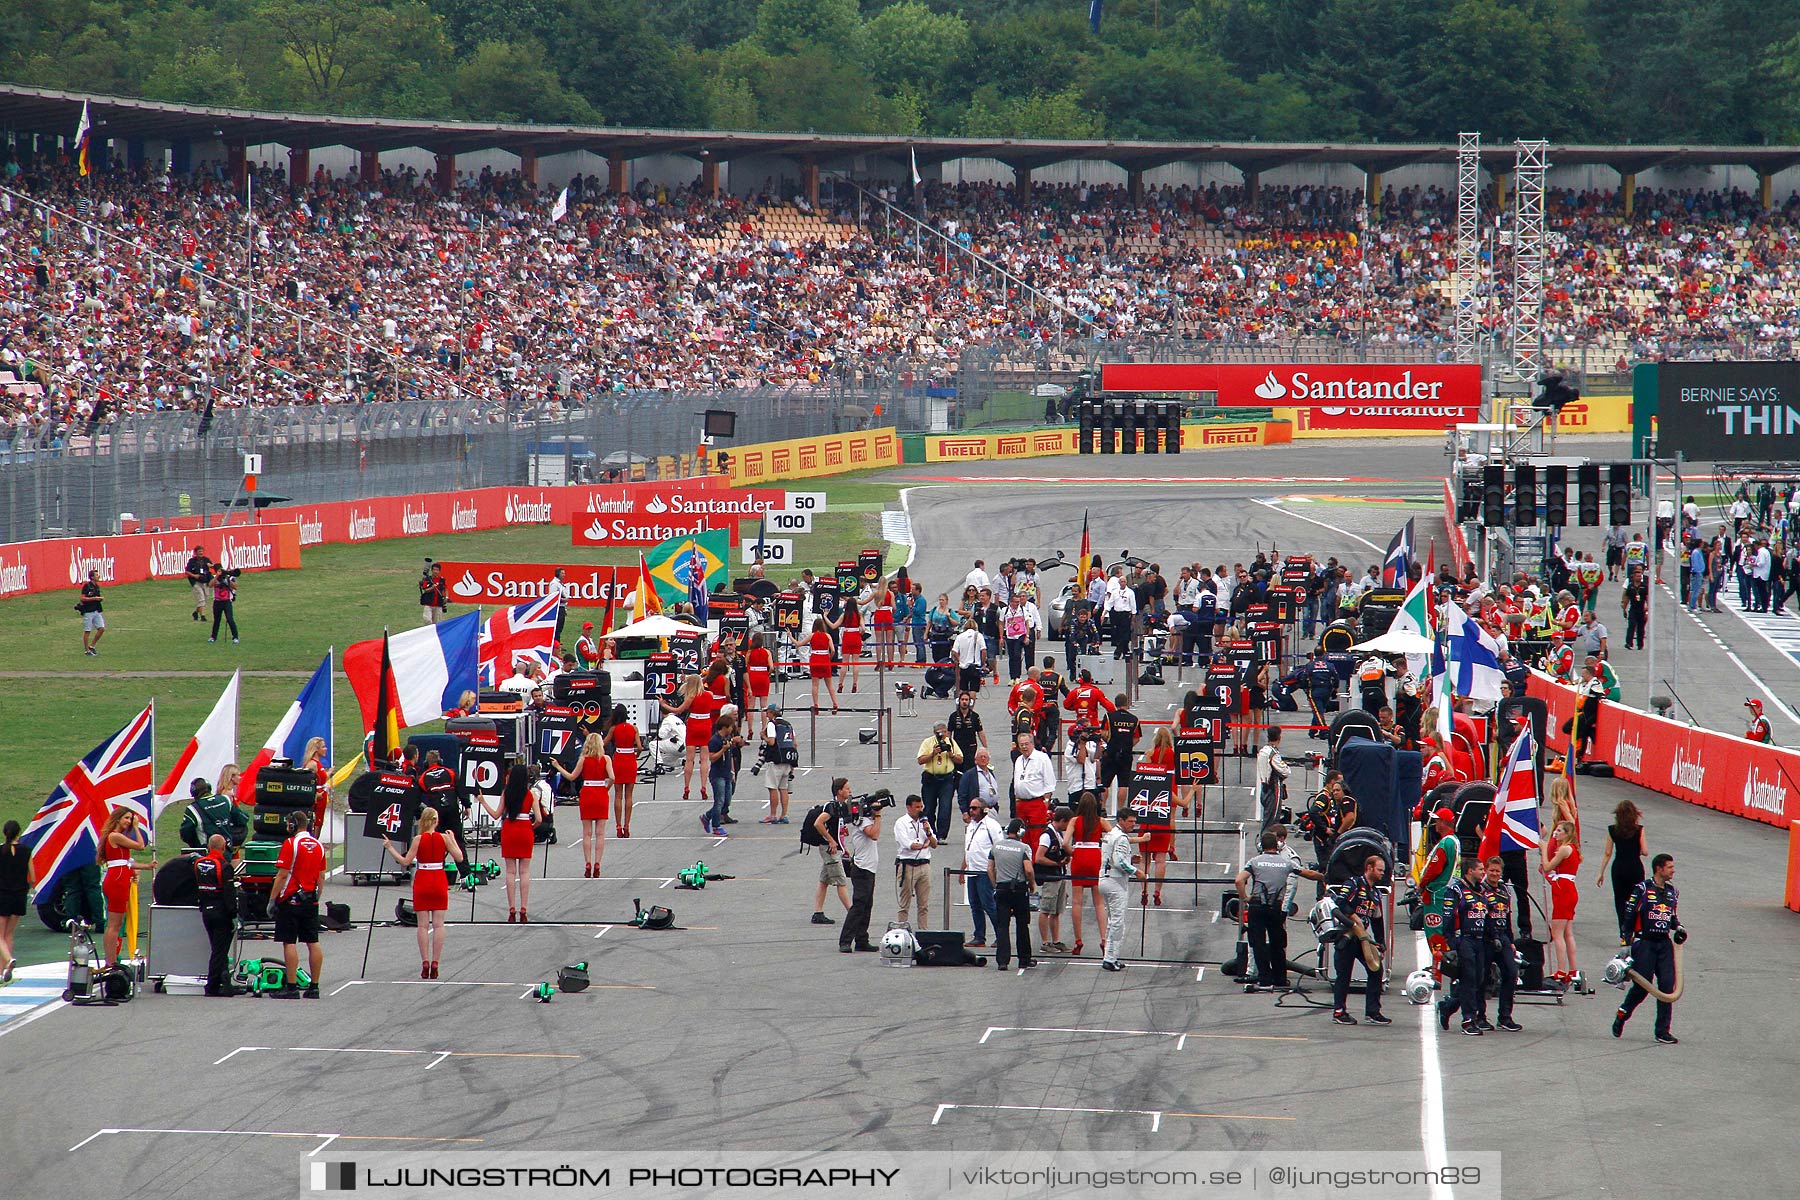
x=1728 y=411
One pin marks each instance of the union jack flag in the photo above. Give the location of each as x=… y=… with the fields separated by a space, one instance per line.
x=1513 y=821
x=65 y=834
x=527 y=629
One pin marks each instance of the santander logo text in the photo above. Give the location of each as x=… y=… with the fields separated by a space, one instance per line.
x=80 y=564
x=1766 y=795
x=1627 y=753
x=412 y=521
x=1687 y=773
x=246 y=556
x=461 y=518
x=14 y=578
x=362 y=526
x=167 y=562
x=312 y=533
x=520 y=511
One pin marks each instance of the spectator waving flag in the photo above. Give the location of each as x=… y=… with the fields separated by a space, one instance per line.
x=432 y=667
x=1512 y=823
x=1086 y=558
x=65 y=834
x=1397 y=566
x=524 y=630
x=82 y=130
x=208 y=752
x=560 y=209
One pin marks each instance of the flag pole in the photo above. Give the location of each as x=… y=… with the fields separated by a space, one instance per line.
x=149 y=924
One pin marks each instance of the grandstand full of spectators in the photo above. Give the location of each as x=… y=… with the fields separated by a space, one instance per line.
x=125 y=291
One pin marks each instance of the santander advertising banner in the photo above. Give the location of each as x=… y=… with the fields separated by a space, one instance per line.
x=587 y=586
x=633 y=515
x=1331 y=395
x=1701 y=766
x=61 y=563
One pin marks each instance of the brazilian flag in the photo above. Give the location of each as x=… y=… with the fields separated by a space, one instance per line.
x=672 y=563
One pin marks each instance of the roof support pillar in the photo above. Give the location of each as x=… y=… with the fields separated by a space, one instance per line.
x=618 y=174
x=1252 y=182
x=1134 y=183
x=237 y=165
x=809 y=181
x=446 y=173
x=368 y=168
x=1022 y=187
x=299 y=167
x=1501 y=181
x=528 y=166
x=1765 y=189
x=1628 y=190
x=1372 y=191
x=709 y=176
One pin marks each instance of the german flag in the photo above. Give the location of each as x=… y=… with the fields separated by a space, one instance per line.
x=384 y=741
x=1087 y=557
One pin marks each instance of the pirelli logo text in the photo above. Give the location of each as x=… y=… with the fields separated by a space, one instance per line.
x=962 y=447
x=1231 y=435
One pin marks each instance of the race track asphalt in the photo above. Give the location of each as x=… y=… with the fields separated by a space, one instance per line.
x=746 y=1029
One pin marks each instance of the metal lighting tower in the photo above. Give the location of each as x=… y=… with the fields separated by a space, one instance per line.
x=1528 y=261
x=1466 y=286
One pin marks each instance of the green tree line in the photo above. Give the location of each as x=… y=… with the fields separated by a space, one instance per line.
x=1390 y=70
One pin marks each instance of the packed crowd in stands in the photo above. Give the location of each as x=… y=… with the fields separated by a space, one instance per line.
x=128 y=295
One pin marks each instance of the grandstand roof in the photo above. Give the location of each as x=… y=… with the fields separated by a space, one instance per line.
x=47 y=111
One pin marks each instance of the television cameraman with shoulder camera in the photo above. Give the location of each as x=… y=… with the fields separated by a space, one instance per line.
x=434 y=592
x=859 y=835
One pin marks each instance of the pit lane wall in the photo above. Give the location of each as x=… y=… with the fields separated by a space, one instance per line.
x=1701 y=766
x=55 y=564
x=1459 y=545
x=1610 y=414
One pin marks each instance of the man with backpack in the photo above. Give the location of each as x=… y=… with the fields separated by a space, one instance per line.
x=780 y=755
x=819 y=829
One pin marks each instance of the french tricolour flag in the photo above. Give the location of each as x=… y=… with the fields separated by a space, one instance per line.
x=308 y=717
x=433 y=666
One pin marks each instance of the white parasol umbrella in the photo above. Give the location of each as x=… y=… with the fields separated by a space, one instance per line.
x=1397 y=641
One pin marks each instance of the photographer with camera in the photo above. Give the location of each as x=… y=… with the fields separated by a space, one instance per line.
x=434 y=592
x=780 y=753
x=941 y=764
x=199 y=578
x=1262 y=887
x=1050 y=865
x=224 y=596
x=914 y=840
